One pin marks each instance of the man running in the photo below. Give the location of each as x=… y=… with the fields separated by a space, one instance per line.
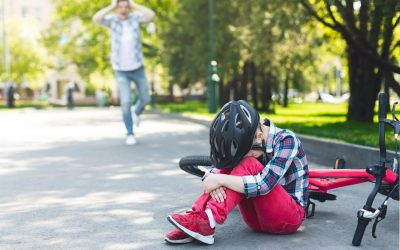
x=127 y=56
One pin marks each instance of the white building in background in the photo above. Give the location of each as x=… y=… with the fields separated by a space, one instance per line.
x=36 y=16
x=38 y=11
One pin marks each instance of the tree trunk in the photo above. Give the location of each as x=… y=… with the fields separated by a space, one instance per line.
x=242 y=94
x=252 y=79
x=171 y=89
x=364 y=87
x=286 y=90
x=266 y=94
x=387 y=92
x=224 y=92
x=234 y=86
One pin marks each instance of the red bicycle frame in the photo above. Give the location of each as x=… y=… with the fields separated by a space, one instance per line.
x=324 y=180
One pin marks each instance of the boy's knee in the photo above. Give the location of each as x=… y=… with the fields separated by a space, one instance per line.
x=248 y=166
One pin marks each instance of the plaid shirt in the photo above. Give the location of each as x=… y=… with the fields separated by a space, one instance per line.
x=113 y=22
x=288 y=167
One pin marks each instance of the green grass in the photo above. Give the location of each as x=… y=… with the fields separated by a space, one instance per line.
x=186 y=108
x=25 y=104
x=316 y=119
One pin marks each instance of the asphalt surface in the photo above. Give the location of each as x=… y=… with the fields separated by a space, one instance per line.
x=68 y=181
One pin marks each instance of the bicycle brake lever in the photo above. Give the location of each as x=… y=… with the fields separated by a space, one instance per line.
x=374 y=227
x=380 y=217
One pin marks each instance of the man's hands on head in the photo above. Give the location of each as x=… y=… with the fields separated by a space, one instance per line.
x=114 y=3
x=132 y=3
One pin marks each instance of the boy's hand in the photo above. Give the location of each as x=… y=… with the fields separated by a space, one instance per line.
x=211 y=182
x=218 y=194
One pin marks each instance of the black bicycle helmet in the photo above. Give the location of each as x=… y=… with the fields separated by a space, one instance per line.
x=232 y=132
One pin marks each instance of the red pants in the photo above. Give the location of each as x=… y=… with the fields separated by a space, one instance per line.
x=276 y=212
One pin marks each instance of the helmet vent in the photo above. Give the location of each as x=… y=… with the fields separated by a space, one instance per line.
x=246 y=112
x=215 y=124
x=223 y=149
x=238 y=121
x=226 y=126
x=234 y=147
x=216 y=144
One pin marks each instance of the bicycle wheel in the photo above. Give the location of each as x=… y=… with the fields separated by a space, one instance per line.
x=195 y=164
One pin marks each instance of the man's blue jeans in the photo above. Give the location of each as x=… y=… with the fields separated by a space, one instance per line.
x=124 y=79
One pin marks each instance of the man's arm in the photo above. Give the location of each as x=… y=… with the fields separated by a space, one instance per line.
x=103 y=12
x=147 y=13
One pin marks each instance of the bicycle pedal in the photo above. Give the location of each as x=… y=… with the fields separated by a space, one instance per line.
x=321 y=197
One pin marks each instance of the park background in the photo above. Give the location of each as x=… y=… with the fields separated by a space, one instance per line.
x=313 y=66
x=67 y=179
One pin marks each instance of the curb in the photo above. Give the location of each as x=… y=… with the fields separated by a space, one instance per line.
x=318 y=150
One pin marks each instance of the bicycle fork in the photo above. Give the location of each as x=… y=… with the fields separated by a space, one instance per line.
x=368 y=213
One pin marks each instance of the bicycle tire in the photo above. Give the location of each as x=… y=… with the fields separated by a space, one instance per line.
x=195 y=164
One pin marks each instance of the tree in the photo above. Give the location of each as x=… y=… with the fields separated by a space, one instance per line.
x=368 y=28
x=28 y=59
x=254 y=47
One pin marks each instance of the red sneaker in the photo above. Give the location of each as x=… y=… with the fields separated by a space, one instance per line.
x=195 y=225
x=176 y=236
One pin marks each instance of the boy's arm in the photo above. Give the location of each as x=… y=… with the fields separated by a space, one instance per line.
x=212 y=181
x=146 y=12
x=99 y=16
x=262 y=183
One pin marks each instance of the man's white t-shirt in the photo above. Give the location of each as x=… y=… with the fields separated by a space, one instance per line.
x=128 y=60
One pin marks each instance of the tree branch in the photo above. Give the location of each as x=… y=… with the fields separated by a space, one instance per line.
x=348 y=35
x=392 y=83
x=363 y=17
x=347 y=13
x=377 y=18
x=396 y=22
x=331 y=15
x=388 y=31
x=314 y=13
x=397 y=44
x=359 y=44
x=383 y=64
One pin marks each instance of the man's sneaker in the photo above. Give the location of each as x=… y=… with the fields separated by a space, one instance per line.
x=135 y=117
x=176 y=236
x=194 y=224
x=130 y=140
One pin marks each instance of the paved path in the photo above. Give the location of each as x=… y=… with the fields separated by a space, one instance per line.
x=67 y=181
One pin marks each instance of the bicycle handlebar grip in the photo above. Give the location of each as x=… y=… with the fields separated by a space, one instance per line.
x=382 y=105
x=358 y=235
